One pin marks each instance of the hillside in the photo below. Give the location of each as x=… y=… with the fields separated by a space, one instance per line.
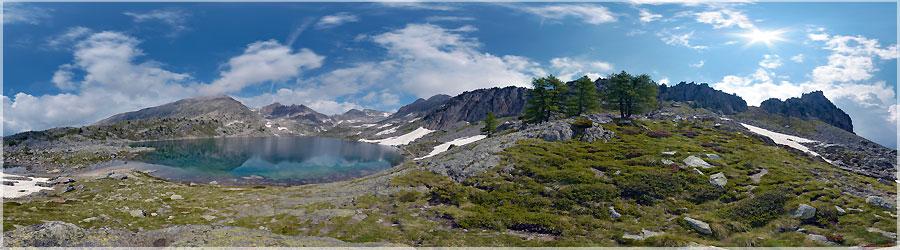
x=222 y=108
x=811 y=105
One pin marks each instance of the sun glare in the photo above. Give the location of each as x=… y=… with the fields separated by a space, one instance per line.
x=766 y=37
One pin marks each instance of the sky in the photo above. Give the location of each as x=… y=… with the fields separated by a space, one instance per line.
x=72 y=64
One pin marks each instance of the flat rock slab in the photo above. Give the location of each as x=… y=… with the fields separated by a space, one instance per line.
x=694 y=161
x=698 y=225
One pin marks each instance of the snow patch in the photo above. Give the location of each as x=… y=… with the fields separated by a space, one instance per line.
x=386 y=125
x=387 y=131
x=282 y=128
x=457 y=142
x=413 y=120
x=21 y=188
x=232 y=122
x=403 y=139
x=783 y=139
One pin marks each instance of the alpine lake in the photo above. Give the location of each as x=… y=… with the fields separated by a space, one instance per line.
x=274 y=161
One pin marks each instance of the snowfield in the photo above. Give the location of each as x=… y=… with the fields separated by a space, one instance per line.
x=403 y=139
x=21 y=188
x=783 y=139
x=458 y=142
x=387 y=131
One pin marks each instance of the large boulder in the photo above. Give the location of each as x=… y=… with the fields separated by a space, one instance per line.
x=694 y=161
x=718 y=180
x=700 y=226
x=804 y=212
x=881 y=202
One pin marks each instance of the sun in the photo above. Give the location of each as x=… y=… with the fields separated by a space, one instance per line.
x=766 y=37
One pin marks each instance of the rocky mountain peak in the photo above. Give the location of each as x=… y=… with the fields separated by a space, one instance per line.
x=704 y=96
x=810 y=105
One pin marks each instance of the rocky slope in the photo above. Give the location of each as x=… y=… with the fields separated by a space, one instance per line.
x=473 y=106
x=222 y=108
x=299 y=113
x=808 y=106
x=703 y=96
x=355 y=116
x=420 y=106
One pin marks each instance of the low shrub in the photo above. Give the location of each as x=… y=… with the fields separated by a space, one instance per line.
x=759 y=210
x=658 y=133
x=690 y=133
x=634 y=153
x=708 y=144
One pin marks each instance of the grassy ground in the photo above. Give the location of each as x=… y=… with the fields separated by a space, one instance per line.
x=557 y=194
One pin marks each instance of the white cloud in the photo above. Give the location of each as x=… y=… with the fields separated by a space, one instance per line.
x=770 y=61
x=664 y=81
x=176 y=19
x=635 y=32
x=448 y=19
x=679 y=40
x=844 y=68
x=335 y=20
x=894 y=113
x=68 y=38
x=588 y=13
x=113 y=81
x=263 y=61
x=859 y=45
x=818 y=37
x=647 y=17
x=798 y=58
x=433 y=60
x=724 y=18
x=14 y=13
x=698 y=65
x=568 y=69
x=107 y=60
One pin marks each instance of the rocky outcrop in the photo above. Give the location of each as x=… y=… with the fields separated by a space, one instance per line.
x=810 y=105
x=466 y=161
x=420 y=106
x=61 y=234
x=694 y=161
x=700 y=226
x=881 y=202
x=473 y=106
x=718 y=180
x=703 y=96
x=207 y=108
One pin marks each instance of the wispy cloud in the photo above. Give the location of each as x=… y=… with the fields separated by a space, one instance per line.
x=335 y=20
x=27 y=13
x=698 y=65
x=647 y=17
x=68 y=38
x=798 y=58
x=176 y=19
x=724 y=18
x=588 y=13
x=448 y=19
x=770 y=61
x=679 y=39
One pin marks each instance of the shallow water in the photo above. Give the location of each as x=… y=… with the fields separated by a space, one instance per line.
x=285 y=160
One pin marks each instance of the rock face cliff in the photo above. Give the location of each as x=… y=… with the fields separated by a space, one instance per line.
x=810 y=105
x=704 y=96
x=421 y=106
x=221 y=108
x=473 y=106
x=361 y=116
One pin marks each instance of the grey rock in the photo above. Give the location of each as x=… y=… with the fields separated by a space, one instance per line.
x=117 y=176
x=137 y=213
x=694 y=161
x=16 y=178
x=711 y=156
x=176 y=197
x=628 y=236
x=667 y=162
x=882 y=232
x=818 y=238
x=213 y=183
x=69 y=189
x=698 y=171
x=9 y=183
x=613 y=214
x=700 y=226
x=648 y=233
x=804 y=212
x=596 y=133
x=669 y=152
x=208 y=217
x=880 y=202
x=718 y=180
x=61 y=180
x=840 y=211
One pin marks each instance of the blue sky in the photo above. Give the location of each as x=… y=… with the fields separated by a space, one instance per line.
x=69 y=64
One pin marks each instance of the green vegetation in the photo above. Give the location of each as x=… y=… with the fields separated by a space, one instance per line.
x=629 y=94
x=546 y=100
x=490 y=124
x=583 y=97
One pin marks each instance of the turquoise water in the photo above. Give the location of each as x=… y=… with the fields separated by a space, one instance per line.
x=288 y=160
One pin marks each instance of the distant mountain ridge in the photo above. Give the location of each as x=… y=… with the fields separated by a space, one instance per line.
x=810 y=105
x=473 y=106
x=208 y=107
